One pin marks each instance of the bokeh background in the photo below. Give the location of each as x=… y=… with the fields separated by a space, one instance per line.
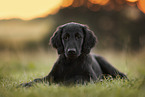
x=26 y=28
x=27 y=25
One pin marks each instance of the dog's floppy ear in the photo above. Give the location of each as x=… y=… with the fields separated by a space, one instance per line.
x=55 y=40
x=89 y=40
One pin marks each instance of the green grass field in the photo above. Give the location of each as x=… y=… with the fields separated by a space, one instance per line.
x=19 y=67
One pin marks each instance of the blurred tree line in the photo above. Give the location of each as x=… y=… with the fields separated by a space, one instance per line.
x=118 y=24
x=124 y=29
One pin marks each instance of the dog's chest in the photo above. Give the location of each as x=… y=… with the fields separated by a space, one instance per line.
x=74 y=69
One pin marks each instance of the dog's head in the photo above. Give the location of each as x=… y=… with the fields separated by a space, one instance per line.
x=73 y=39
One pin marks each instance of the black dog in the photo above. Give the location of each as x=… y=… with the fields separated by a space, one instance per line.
x=75 y=64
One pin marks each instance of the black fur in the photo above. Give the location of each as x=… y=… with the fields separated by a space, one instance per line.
x=56 y=40
x=75 y=64
x=89 y=40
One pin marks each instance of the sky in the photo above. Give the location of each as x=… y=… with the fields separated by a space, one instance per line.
x=27 y=9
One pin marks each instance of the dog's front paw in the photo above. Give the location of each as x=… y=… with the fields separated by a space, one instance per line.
x=123 y=76
x=26 y=84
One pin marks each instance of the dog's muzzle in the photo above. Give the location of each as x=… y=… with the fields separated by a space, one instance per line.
x=71 y=53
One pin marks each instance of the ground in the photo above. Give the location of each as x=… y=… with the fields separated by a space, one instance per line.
x=19 y=67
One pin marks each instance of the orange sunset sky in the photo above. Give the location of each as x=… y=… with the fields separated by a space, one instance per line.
x=29 y=9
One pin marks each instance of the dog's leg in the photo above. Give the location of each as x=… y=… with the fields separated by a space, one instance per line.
x=108 y=69
x=37 y=80
x=47 y=79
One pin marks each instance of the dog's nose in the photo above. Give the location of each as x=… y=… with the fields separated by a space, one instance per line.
x=72 y=51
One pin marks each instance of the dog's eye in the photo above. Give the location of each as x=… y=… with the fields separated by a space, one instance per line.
x=66 y=37
x=78 y=36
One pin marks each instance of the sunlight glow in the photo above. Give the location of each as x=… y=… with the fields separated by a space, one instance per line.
x=100 y=2
x=30 y=9
x=66 y=3
x=132 y=0
x=141 y=5
x=27 y=9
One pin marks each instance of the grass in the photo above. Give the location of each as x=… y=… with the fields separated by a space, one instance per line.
x=16 y=68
